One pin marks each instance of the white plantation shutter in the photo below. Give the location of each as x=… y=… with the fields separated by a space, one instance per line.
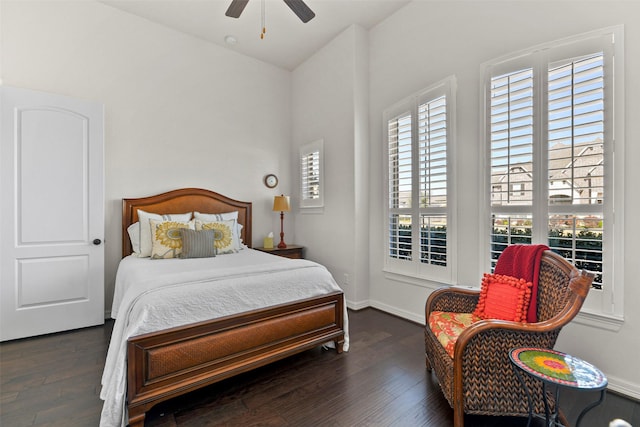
x=550 y=122
x=511 y=127
x=400 y=242
x=575 y=109
x=432 y=141
x=512 y=166
x=432 y=151
x=311 y=175
x=310 y=167
x=400 y=162
x=418 y=135
x=400 y=186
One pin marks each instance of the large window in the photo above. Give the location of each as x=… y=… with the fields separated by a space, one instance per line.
x=418 y=220
x=550 y=127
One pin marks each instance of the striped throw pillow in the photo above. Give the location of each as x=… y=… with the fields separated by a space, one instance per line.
x=198 y=244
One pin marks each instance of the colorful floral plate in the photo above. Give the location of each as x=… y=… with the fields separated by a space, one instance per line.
x=558 y=368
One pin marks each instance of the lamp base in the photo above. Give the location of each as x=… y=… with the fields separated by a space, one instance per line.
x=282 y=244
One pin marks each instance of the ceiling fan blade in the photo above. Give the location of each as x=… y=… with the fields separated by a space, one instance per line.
x=236 y=7
x=301 y=9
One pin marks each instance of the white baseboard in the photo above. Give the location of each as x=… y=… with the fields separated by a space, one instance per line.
x=398 y=312
x=357 y=305
x=386 y=308
x=623 y=387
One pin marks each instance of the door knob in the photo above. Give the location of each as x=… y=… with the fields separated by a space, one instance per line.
x=97 y=241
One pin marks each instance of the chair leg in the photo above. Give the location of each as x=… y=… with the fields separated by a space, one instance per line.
x=427 y=364
x=563 y=420
x=458 y=415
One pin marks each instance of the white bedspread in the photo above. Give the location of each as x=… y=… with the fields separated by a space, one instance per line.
x=152 y=295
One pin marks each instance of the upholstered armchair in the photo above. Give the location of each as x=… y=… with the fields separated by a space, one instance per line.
x=479 y=379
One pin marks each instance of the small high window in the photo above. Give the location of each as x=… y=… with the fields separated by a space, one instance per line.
x=311 y=175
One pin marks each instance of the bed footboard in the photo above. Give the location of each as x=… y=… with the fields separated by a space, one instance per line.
x=173 y=362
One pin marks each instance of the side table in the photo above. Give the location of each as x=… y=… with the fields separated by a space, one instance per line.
x=560 y=370
x=291 y=251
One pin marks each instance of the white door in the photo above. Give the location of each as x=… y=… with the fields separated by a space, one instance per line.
x=52 y=213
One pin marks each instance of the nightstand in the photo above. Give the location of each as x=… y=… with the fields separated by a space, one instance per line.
x=291 y=251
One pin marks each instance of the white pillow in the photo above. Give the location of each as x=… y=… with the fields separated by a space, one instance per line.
x=146 y=242
x=205 y=217
x=134 y=235
x=225 y=216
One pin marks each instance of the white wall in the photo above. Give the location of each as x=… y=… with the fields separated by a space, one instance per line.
x=180 y=112
x=427 y=41
x=329 y=102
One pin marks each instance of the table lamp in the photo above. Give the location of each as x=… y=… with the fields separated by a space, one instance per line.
x=281 y=203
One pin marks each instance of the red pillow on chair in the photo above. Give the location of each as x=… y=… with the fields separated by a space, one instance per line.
x=503 y=297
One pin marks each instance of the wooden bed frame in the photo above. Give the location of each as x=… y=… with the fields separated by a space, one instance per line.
x=168 y=363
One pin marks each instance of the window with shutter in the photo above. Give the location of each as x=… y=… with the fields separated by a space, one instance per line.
x=418 y=136
x=311 y=175
x=550 y=136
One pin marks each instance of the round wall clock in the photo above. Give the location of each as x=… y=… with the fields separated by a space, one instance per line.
x=271 y=180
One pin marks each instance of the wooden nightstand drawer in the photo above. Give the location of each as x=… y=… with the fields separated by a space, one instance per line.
x=291 y=251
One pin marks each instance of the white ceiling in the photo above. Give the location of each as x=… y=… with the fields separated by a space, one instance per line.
x=287 y=43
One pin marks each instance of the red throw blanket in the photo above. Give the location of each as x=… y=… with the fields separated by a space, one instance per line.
x=523 y=262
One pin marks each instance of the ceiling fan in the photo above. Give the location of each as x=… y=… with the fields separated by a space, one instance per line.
x=297 y=6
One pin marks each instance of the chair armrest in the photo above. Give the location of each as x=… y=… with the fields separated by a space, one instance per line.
x=502 y=335
x=459 y=300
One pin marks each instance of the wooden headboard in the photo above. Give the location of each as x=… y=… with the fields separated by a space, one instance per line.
x=181 y=201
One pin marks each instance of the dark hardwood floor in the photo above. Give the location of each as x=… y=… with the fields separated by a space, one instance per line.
x=55 y=380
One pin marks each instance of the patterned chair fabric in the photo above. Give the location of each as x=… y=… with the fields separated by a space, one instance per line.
x=447 y=327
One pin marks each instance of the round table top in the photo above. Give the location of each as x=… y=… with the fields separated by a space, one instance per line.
x=558 y=368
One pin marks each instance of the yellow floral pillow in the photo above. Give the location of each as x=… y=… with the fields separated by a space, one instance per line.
x=145 y=230
x=225 y=240
x=166 y=238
